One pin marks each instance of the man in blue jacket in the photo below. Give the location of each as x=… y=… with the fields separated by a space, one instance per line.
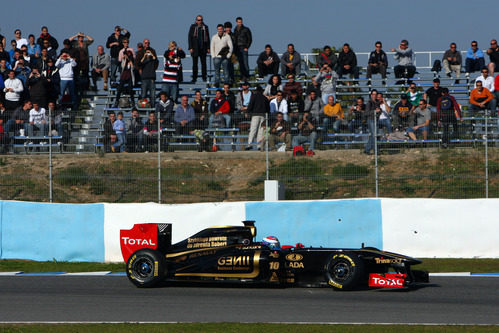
x=474 y=58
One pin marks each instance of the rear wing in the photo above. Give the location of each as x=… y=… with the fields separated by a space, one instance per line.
x=156 y=236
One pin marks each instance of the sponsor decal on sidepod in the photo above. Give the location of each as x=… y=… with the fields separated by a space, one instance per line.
x=387 y=280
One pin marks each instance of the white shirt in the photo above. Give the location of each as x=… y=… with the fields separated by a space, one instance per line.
x=17 y=86
x=487 y=83
x=21 y=42
x=218 y=43
x=384 y=111
x=37 y=117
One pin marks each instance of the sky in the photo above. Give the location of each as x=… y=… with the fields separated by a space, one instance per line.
x=427 y=24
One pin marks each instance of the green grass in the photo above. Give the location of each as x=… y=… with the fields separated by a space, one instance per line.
x=240 y=328
x=429 y=264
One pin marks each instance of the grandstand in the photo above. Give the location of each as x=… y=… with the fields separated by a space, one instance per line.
x=84 y=132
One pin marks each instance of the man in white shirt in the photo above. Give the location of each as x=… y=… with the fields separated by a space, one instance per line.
x=65 y=65
x=221 y=51
x=13 y=89
x=37 y=120
x=19 y=40
x=487 y=80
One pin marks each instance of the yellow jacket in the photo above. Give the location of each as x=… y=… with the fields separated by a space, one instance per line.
x=334 y=111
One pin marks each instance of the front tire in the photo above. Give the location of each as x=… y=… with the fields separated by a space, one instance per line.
x=146 y=268
x=345 y=271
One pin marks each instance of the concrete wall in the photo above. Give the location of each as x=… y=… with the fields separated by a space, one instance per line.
x=416 y=227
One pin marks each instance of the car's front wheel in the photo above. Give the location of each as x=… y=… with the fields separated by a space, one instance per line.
x=344 y=271
x=145 y=268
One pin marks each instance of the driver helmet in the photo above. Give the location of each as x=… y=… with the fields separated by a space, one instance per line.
x=272 y=242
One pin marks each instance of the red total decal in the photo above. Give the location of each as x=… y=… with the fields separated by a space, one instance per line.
x=391 y=280
x=141 y=236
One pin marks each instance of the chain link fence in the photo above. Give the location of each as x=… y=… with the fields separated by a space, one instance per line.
x=469 y=168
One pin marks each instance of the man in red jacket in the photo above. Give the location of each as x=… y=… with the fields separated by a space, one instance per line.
x=219 y=106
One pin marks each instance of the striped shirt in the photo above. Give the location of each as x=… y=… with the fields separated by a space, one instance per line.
x=170 y=73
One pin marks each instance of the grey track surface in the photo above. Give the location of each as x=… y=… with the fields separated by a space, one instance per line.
x=108 y=299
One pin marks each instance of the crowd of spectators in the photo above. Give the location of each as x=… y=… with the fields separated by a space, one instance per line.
x=36 y=75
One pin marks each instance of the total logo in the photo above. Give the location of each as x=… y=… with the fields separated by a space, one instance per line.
x=388 y=282
x=137 y=241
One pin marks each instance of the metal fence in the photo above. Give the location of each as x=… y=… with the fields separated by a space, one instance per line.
x=469 y=168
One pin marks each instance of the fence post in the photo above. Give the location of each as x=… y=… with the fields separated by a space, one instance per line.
x=267 y=146
x=50 y=157
x=159 y=159
x=486 y=156
x=376 y=152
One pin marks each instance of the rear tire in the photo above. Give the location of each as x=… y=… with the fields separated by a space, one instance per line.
x=146 y=268
x=345 y=271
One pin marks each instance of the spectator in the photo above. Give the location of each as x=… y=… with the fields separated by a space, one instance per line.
x=135 y=132
x=164 y=109
x=3 y=134
x=101 y=63
x=292 y=85
x=184 y=117
x=51 y=51
x=45 y=36
x=493 y=53
x=42 y=65
x=402 y=115
x=201 y=110
x=372 y=109
x=326 y=78
x=4 y=55
x=128 y=49
x=2 y=41
x=313 y=86
x=19 y=40
x=448 y=111
x=53 y=79
x=80 y=45
x=404 y=56
x=147 y=65
x=475 y=60
x=151 y=132
x=487 y=81
x=414 y=95
x=65 y=64
x=313 y=104
x=56 y=119
x=38 y=88
x=230 y=97
x=115 y=44
x=19 y=119
x=279 y=104
x=384 y=116
x=172 y=74
x=452 y=61
x=22 y=71
x=221 y=51
x=481 y=98
x=433 y=94
x=13 y=45
x=127 y=79
x=423 y=118
x=243 y=38
x=120 y=130
x=356 y=115
x=347 y=63
x=267 y=62
x=257 y=108
x=327 y=56
x=109 y=133
x=295 y=107
x=496 y=88
x=333 y=113
x=273 y=87
x=377 y=63
x=280 y=132
x=243 y=98
x=13 y=90
x=291 y=62
x=306 y=132
x=34 y=50
x=219 y=106
x=230 y=63
x=199 y=47
x=37 y=120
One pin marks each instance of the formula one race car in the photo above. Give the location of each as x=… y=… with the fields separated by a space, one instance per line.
x=230 y=254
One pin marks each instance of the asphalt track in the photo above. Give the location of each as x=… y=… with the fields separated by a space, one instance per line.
x=447 y=300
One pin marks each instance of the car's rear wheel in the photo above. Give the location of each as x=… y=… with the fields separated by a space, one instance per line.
x=344 y=271
x=146 y=268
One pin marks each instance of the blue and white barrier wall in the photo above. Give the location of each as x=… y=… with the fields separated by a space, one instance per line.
x=416 y=227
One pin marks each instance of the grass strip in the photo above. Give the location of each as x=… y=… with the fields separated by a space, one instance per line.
x=240 y=328
x=429 y=264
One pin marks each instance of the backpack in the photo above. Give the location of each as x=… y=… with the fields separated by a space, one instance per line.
x=124 y=103
x=446 y=104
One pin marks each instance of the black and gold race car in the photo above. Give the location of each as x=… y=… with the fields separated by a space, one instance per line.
x=231 y=254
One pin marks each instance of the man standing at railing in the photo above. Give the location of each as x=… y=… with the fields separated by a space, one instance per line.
x=448 y=111
x=243 y=39
x=115 y=44
x=199 y=47
x=493 y=53
x=221 y=51
x=404 y=56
